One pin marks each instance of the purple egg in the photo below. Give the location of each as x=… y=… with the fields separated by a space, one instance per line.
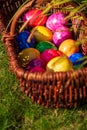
x=36 y=63
x=55 y=20
x=60 y=35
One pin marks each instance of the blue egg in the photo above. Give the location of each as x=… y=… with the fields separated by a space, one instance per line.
x=75 y=57
x=21 y=39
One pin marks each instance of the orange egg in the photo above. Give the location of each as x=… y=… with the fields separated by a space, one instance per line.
x=69 y=47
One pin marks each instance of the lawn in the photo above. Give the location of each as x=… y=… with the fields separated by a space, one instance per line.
x=17 y=112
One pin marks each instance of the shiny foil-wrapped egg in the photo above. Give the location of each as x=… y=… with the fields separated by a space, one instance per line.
x=37 y=69
x=44 y=45
x=59 y=64
x=36 y=63
x=60 y=35
x=35 y=17
x=69 y=47
x=22 y=42
x=75 y=58
x=49 y=54
x=26 y=55
x=41 y=33
x=55 y=20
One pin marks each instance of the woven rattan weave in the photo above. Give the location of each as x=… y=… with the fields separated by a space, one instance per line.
x=59 y=89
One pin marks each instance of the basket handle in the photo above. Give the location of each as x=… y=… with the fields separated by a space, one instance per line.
x=21 y=11
x=18 y=14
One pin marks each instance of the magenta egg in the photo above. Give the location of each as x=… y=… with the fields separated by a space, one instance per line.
x=37 y=69
x=47 y=55
x=60 y=35
x=35 y=18
x=36 y=63
x=55 y=20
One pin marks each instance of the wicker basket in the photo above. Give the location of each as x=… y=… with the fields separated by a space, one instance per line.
x=60 y=89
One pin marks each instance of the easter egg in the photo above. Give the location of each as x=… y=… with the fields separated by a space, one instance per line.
x=43 y=45
x=60 y=35
x=75 y=58
x=35 y=17
x=69 y=47
x=22 y=43
x=58 y=64
x=34 y=63
x=55 y=20
x=37 y=69
x=42 y=33
x=49 y=54
x=27 y=55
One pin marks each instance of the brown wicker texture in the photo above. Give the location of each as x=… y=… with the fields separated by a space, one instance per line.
x=60 y=89
x=7 y=10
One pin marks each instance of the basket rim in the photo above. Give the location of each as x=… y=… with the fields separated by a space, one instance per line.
x=30 y=4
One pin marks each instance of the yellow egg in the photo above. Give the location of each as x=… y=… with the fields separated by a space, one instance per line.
x=27 y=55
x=57 y=64
x=42 y=33
x=69 y=47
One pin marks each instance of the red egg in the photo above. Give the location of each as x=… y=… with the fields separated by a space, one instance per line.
x=37 y=69
x=35 y=17
x=47 y=55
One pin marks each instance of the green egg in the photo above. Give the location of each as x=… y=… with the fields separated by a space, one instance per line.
x=44 y=45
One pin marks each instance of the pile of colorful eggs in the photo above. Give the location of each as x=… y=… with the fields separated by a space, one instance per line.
x=50 y=47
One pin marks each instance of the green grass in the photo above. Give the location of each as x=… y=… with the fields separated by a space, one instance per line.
x=17 y=112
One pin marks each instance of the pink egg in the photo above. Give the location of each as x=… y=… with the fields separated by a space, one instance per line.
x=37 y=69
x=36 y=63
x=60 y=35
x=47 y=55
x=55 y=20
